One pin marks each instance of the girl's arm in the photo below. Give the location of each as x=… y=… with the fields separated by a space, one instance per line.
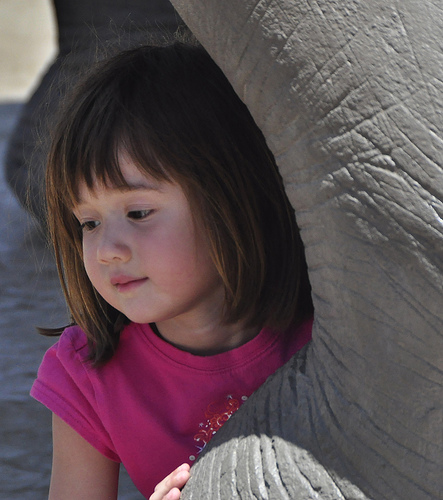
x=79 y=471
x=169 y=488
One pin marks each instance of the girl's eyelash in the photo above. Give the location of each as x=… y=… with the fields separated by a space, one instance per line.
x=139 y=214
x=88 y=225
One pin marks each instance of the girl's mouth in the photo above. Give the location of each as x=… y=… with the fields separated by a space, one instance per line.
x=126 y=283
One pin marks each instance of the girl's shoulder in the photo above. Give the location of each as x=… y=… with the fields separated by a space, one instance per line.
x=297 y=336
x=64 y=364
x=72 y=343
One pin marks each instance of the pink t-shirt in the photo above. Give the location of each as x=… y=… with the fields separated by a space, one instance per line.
x=153 y=406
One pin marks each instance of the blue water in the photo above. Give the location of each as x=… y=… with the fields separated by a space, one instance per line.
x=29 y=296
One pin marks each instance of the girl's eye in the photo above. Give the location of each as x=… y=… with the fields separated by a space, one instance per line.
x=139 y=214
x=89 y=225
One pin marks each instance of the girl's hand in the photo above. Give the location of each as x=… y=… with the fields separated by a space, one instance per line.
x=169 y=488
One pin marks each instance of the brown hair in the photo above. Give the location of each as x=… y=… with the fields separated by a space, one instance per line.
x=174 y=113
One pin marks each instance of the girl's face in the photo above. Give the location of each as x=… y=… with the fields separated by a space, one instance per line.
x=144 y=253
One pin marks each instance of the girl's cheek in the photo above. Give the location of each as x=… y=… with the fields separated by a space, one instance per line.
x=90 y=266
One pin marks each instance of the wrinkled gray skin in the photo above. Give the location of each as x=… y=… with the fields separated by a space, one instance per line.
x=349 y=94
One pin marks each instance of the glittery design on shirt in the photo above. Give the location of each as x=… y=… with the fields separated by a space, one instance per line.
x=217 y=414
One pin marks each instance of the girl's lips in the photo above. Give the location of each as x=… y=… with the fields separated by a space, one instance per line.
x=126 y=284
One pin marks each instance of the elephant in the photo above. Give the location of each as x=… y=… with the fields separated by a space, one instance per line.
x=87 y=31
x=349 y=96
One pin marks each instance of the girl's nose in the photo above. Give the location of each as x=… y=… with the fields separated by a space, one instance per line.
x=112 y=247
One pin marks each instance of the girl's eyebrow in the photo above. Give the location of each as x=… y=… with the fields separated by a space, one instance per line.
x=129 y=187
x=139 y=187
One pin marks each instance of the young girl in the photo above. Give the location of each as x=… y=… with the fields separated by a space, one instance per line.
x=182 y=267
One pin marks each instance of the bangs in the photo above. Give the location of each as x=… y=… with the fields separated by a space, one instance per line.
x=168 y=109
x=101 y=165
x=108 y=122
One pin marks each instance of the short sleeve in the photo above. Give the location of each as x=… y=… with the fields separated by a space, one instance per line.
x=65 y=385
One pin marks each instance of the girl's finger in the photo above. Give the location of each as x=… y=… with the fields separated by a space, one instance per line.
x=169 y=487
